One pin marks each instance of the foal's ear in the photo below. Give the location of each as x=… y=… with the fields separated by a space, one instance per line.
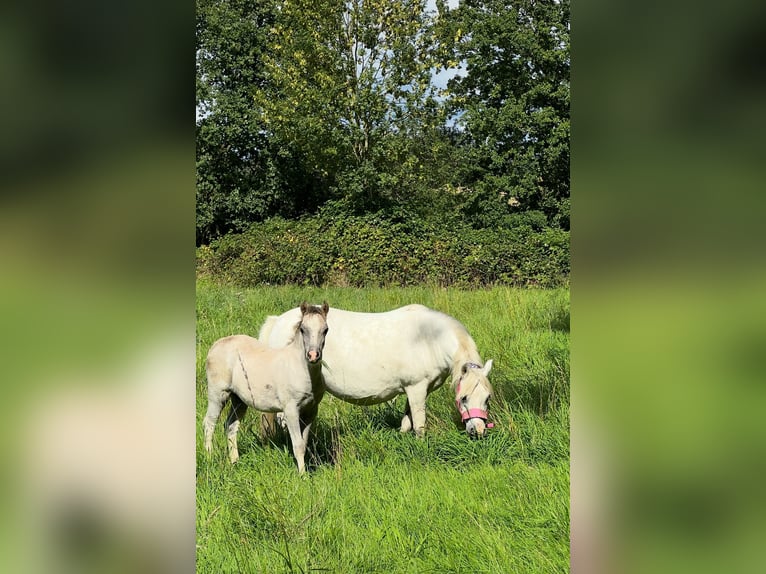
x=487 y=367
x=325 y=308
x=304 y=307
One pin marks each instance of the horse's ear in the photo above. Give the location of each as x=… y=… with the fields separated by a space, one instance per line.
x=487 y=368
x=304 y=307
x=325 y=308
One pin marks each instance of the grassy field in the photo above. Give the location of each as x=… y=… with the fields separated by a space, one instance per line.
x=375 y=500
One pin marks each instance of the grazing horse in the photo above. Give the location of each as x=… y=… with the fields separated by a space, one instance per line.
x=376 y=356
x=269 y=380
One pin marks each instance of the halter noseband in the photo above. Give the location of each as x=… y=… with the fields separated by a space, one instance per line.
x=471 y=413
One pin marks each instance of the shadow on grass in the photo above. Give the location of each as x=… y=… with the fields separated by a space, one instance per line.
x=541 y=386
x=370 y=435
x=539 y=395
x=560 y=321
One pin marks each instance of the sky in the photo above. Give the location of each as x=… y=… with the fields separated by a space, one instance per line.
x=441 y=78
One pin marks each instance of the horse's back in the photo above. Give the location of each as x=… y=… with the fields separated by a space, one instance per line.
x=412 y=324
x=223 y=351
x=371 y=357
x=233 y=342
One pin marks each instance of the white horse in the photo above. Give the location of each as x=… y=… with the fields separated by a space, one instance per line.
x=269 y=380
x=374 y=357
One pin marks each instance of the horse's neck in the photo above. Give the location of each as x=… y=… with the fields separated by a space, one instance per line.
x=463 y=356
x=296 y=344
x=315 y=374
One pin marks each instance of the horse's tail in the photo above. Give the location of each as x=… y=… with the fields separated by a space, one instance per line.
x=268 y=325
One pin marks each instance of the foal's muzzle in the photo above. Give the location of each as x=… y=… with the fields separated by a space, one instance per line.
x=314 y=356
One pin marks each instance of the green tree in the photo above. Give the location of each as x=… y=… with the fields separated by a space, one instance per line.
x=240 y=175
x=349 y=88
x=513 y=102
x=331 y=103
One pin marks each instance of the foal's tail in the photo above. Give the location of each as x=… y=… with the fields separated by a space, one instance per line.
x=268 y=325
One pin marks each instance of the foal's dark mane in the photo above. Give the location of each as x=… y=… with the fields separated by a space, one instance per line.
x=311 y=310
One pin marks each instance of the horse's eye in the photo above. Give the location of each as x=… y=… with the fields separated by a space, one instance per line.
x=464 y=398
x=325 y=330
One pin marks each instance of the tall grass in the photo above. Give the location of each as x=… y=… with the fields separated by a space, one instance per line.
x=379 y=501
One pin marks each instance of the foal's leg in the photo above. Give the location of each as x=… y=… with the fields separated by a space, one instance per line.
x=406 y=419
x=238 y=409
x=215 y=402
x=416 y=398
x=292 y=418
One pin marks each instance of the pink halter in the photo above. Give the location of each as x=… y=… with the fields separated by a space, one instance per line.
x=471 y=413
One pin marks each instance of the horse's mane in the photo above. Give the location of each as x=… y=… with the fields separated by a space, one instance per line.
x=466 y=352
x=268 y=326
x=297 y=326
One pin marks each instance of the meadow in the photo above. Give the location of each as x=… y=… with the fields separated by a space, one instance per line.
x=376 y=500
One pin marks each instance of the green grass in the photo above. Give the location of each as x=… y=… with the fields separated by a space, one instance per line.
x=375 y=500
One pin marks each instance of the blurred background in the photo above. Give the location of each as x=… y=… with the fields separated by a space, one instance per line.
x=97 y=288
x=97 y=291
x=669 y=333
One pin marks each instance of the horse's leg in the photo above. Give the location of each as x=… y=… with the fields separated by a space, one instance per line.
x=292 y=418
x=268 y=425
x=407 y=418
x=215 y=402
x=238 y=409
x=416 y=397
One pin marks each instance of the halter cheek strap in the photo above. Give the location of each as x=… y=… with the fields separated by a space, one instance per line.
x=471 y=413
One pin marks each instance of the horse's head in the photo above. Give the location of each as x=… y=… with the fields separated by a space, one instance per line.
x=472 y=394
x=313 y=329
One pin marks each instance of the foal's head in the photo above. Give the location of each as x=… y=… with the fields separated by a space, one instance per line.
x=472 y=394
x=313 y=329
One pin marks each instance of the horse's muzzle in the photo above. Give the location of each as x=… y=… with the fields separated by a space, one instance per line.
x=476 y=427
x=313 y=356
x=475 y=420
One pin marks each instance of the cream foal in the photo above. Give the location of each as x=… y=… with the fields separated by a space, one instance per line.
x=270 y=380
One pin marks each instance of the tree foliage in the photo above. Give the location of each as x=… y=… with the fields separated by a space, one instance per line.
x=232 y=189
x=513 y=99
x=349 y=85
x=333 y=103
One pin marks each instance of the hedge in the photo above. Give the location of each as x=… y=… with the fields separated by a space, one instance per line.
x=372 y=250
